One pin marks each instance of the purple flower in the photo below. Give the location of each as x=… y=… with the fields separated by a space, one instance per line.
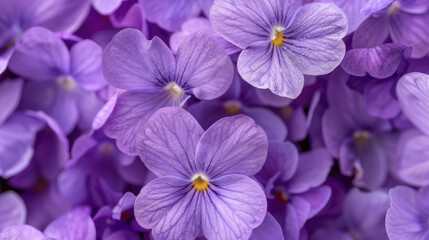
x=19 y=15
x=155 y=78
x=62 y=82
x=403 y=20
x=293 y=186
x=281 y=41
x=408 y=215
x=203 y=185
x=360 y=141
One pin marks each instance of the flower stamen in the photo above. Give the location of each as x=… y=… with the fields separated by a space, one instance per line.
x=277 y=37
x=201 y=183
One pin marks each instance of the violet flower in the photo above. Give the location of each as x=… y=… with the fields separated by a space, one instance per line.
x=203 y=185
x=62 y=82
x=154 y=78
x=282 y=41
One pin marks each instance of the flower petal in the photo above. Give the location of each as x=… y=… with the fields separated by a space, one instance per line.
x=314 y=38
x=10 y=95
x=169 y=142
x=132 y=110
x=272 y=124
x=232 y=207
x=85 y=63
x=232 y=145
x=269 y=229
x=243 y=22
x=12 y=210
x=170 y=207
x=313 y=169
x=375 y=6
x=203 y=66
x=130 y=61
x=411 y=30
x=75 y=224
x=40 y=55
x=170 y=14
x=21 y=232
x=413 y=95
x=265 y=66
x=371 y=33
x=106 y=7
x=379 y=62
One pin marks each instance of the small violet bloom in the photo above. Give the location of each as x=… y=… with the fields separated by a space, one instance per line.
x=155 y=78
x=408 y=215
x=405 y=21
x=203 y=186
x=281 y=40
x=62 y=82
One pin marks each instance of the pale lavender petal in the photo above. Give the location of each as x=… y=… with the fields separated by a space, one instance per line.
x=375 y=6
x=106 y=7
x=314 y=38
x=232 y=145
x=40 y=55
x=203 y=66
x=85 y=65
x=412 y=155
x=21 y=232
x=170 y=14
x=130 y=61
x=75 y=224
x=4 y=60
x=379 y=62
x=364 y=212
x=170 y=207
x=132 y=110
x=411 y=30
x=88 y=105
x=404 y=217
x=64 y=110
x=12 y=210
x=296 y=216
x=255 y=19
x=125 y=203
x=313 y=169
x=190 y=26
x=10 y=95
x=265 y=66
x=104 y=113
x=169 y=142
x=232 y=207
x=413 y=95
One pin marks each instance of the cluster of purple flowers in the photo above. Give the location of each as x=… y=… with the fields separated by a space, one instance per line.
x=214 y=119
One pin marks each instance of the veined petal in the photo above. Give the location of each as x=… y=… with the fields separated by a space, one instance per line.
x=40 y=55
x=379 y=62
x=243 y=22
x=266 y=66
x=232 y=145
x=375 y=6
x=132 y=110
x=413 y=95
x=371 y=33
x=130 y=61
x=203 y=66
x=232 y=207
x=169 y=142
x=313 y=41
x=21 y=232
x=170 y=207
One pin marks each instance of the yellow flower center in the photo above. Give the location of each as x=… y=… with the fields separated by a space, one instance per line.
x=361 y=137
x=201 y=183
x=394 y=8
x=232 y=107
x=174 y=90
x=277 y=36
x=67 y=82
